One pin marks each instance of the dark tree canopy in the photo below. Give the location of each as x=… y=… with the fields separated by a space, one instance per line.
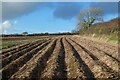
x=24 y=33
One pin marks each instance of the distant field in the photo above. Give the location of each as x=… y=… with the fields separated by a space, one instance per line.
x=8 y=42
x=71 y=57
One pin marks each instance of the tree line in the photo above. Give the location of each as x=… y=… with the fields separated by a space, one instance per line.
x=38 y=34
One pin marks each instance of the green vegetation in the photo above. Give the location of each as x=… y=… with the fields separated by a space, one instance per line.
x=87 y=26
x=8 y=42
x=108 y=29
x=25 y=33
x=89 y=16
x=114 y=39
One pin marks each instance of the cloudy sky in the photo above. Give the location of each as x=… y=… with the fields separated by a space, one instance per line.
x=52 y=17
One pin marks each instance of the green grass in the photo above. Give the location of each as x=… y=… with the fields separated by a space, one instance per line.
x=115 y=39
x=108 y=38
x=10 y=43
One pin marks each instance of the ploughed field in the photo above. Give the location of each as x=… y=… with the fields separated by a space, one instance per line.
x=68 y=57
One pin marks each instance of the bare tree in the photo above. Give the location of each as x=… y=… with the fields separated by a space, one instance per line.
x=88 y=16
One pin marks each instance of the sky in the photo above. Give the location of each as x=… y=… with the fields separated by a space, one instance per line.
x=51 y=17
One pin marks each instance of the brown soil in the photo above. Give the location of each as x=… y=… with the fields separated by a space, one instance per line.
x=65 y=57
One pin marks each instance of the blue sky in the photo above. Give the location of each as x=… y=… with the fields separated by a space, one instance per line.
x=51 y=17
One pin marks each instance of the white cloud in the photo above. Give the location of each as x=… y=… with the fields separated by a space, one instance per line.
x=5 y=26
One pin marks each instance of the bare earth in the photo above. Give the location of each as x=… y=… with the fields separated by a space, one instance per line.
x=68 y=57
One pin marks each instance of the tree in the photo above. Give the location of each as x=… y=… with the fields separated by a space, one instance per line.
x=88 y=16
x=74 y=31
x=25 y=33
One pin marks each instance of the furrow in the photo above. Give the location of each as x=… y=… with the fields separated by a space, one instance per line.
x=113 y=58
x=113 y=74
x=110 y=50
x=106 y=58
x=14 y=66
x=60 y=70
x=74 y=70
x=54 y=69
x=13 y=57
x=109 y=61
x=20 y=49
x=87 y=71
x=34 y=67
x=96 y=69
x=51 y=63
x=15 y=48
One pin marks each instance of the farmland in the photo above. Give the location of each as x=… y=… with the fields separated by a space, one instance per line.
x=69 y=57
x=8 y=42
